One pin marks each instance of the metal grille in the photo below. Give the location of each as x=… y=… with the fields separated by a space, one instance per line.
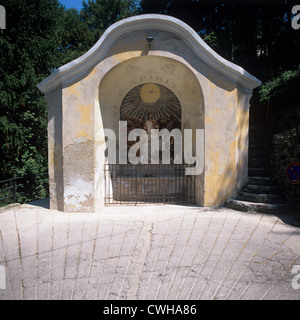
x=141 y=184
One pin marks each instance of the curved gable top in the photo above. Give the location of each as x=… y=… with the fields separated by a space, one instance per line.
x=81 y=65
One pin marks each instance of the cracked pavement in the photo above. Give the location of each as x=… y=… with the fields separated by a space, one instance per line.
x=151 y=252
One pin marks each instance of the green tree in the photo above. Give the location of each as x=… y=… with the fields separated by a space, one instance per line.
x=28 y=53
x=98 y=15
x=74 y=36
x=40 y=36
x=256 y=35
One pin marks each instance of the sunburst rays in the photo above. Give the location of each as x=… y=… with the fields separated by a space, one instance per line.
x=166 y=105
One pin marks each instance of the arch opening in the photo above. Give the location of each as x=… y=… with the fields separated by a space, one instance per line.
x=166 y=95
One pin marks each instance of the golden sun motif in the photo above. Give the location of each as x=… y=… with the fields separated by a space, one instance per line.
x=150 y=93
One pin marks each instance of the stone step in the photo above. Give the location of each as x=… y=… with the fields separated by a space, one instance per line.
x=259 y=142
x=258 y=189
x=261 y=137
x=258 y=162
x=261 y=181
x=260 y=172
x=260 y=198
x=261 y=145
x=255 y=207
x=259 y=153
x=259 y=131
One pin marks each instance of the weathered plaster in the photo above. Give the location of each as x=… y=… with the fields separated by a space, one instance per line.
x=55 y=148
x=78 y=177
x=149 y=22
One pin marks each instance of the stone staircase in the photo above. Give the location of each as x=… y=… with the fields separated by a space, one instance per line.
x=261 y=193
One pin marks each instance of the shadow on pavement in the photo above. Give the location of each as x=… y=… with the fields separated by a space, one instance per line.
x=43 y=203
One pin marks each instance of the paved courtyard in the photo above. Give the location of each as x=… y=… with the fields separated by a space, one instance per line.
x=148 y=252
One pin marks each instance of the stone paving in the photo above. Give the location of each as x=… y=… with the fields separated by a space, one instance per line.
x=148 y=253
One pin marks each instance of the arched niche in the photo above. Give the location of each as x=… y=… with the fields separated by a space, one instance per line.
x=172 y=74
x=161 y=71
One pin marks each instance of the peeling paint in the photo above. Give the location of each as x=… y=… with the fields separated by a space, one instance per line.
x=77 y=193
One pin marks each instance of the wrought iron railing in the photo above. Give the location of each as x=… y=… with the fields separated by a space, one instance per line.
x=23 y=189
x=140 y=184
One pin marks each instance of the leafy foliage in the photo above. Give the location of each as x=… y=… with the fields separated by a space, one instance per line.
x=98 y=15
x=256 y=35
x=40 y=36
x=28 y=49
x=284 y=85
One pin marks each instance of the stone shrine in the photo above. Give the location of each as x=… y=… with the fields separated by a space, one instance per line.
x=145 y=66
